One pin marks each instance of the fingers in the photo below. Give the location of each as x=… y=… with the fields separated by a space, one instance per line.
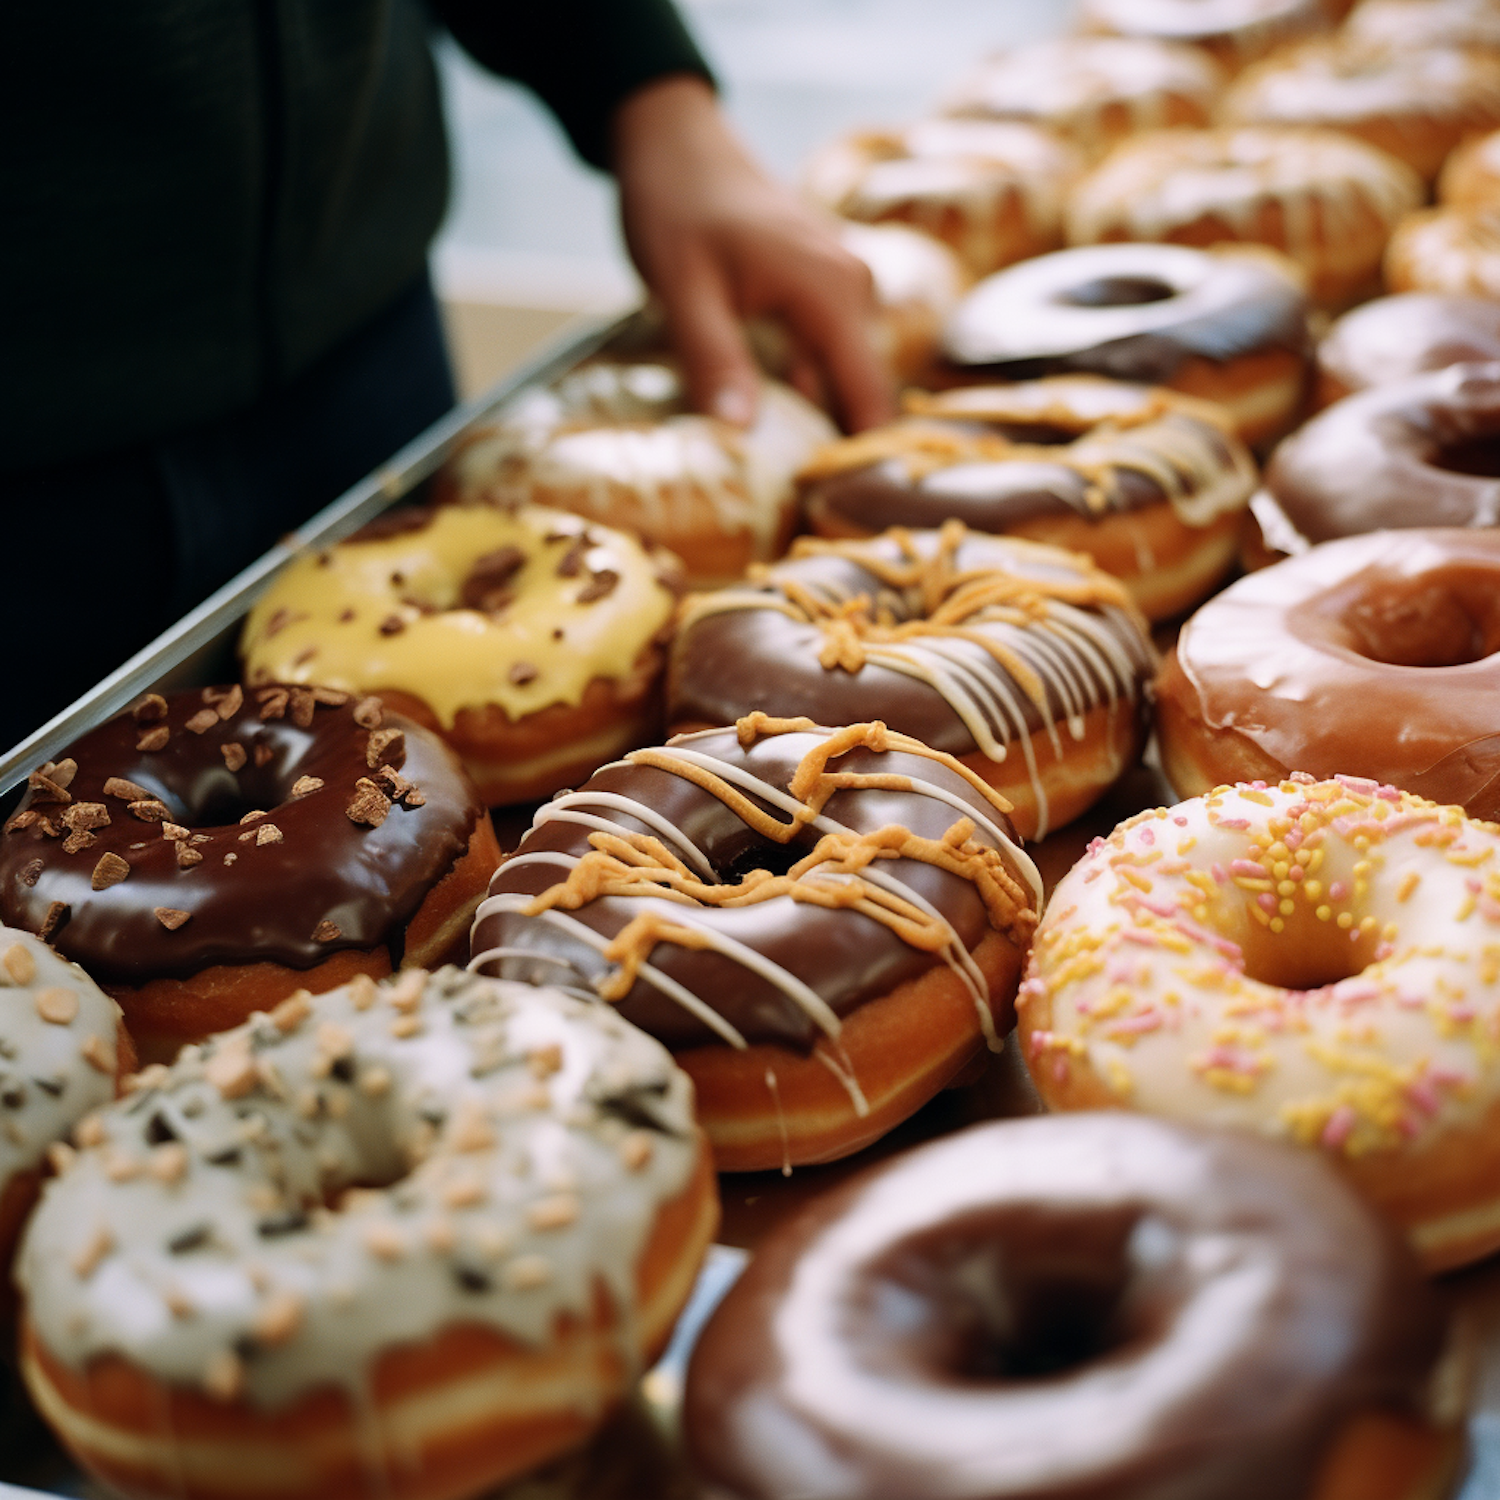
x=721 y=374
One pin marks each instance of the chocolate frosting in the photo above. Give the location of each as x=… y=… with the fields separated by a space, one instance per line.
x=316 y=883
x=1395 y=337
x=1129 y=311
x=1070 y=1307
x=1379 y=459
x=1371 y=656
x=844 y=956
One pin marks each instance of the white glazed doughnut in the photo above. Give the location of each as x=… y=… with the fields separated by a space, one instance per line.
x=401 y=1240
x=1318 y=960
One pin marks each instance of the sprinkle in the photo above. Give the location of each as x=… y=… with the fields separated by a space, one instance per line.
x=232 y=1070
x=527 y=1272
x=543 y=1062
x=279 y=1319
x=224 y=1375
x=464 y=1191
x=374 y=1081
x=97 y=1053
x=384 y=1241
x=293 y=1011
x=637 y=1149
x=59 y=1006
x=1339 y=1127
x=168 y=1162
x=406 y=1026
x=556 y=1212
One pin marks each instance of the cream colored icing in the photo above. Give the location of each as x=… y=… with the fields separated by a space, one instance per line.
x=1385 y=906
x=58 y=1031
x=512 y=1146
x=328 y=618
x=909 y=268
x=608 y=430
x=1250 y=27
x=1454 y=250
x=1404 y=25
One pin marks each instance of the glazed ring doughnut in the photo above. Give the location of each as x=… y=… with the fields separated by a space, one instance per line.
x=1078 y=1305
x=1234 y=32
x=65 y=1047
x=617 y=443
x=990 y=189
x=1023 y=661
x=1408 y=334
x=1309 y=959
x=204 y=856
x=1229 y=326
x=517 y=1200
x=527 y=638
x=1327 y=200
x=1411 y=453
x=1094 y=90
x=1372 y=655
x=1416 y=104
x=1454 y=249
x=1149 y=484
x=825 y=925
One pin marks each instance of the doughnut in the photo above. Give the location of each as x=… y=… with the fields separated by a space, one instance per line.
x=528 y=638
x=1412 y=25
x=1147 y=483
x=1371 y=655
x=990 y=189
x=1417 y=104
x=1314 y=960
x=1069 y=1306
x=1407 y=334
x=1093 y=90
x=1424 y=451
x=61 y=1054
x=1234 y=32
x=1325 y=199
x=404 y=1240
x=1023 y=661
x=617 y=443
x=824 y=925
x=207 y=854
x=1229 y=326
x=1452 y=249
x=918 y=282
x=1471 y=175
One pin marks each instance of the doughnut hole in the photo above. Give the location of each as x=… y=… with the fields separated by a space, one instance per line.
x=1434 y=621
x=1031 y=1292
x=1118 y=291
x=1307 y=954
x=1479 y=456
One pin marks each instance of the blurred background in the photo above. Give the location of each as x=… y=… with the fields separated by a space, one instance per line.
x=531 y=240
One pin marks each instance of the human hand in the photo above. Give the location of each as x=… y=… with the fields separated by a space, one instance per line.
x=718 y=241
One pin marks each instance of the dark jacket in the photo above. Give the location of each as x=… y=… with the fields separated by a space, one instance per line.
x=201 y=197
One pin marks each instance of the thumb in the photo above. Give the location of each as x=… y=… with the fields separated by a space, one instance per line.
x=722 y=377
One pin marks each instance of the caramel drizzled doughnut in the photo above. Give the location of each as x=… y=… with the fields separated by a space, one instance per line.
x=1147 y=483
x=402 y=1240
x=205 y=855
x=1408 y=334
x=1071 y=1307
x=1424 y=451
x=1417 y=104
x=1229 y=326
x=1094 y=90
x=1234 y=32
x=1412 y=25
x=1471 y=175
x=616 y=442
x=824 y=925
x=1023 y=661
x=1327 y=200
x=1314 y=960
x=1453 y=249
x=1371 y=655
x=528 y=638
x=991 y=189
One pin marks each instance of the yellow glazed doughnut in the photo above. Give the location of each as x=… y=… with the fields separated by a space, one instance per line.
x=1316 y=960
x=528 y=638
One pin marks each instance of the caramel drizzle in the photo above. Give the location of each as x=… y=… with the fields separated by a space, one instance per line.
x=1077 y=655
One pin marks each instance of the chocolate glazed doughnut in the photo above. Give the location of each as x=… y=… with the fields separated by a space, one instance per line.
x=1226 y=325
x=1148 y=483
x=1424 y=451
x=1372 y=656
x=207 y=855
x=1074 y=1307
x=824 y=926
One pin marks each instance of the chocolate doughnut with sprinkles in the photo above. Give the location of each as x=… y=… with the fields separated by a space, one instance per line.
x=203 y=856
x=825 y=925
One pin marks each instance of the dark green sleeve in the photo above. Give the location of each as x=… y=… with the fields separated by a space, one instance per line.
x=583 y=57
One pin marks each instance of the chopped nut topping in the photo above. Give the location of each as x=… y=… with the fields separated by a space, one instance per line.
x=362 y=992
x=267 y=833
x=464 y=1191
x=57 y=913
x=86 y=815
x=472 y=1132
x=227 y=703
x=79 y=840
x=440 y=1235
x=179 y=1304
x=61 y=1156
x=370 y=805
x=330 y=697
x=273 y=702
x=22 y=820
x=98 y=1054
x=278 y=1319
x=521 y=673
x=126 y=791
x=327 y=931
x=171 y=917
x=334 y=1040
x=110 y=870
x=414 y=798
x=19 y=964
x=292 y=1011
x=254 y=816
x=232 y=1071
x=92 y=1251
x=406 y=1026
x=543 y=1062
x=152 y=1076
x=45 y=789
x=571 y=562
x=234 y=754
x=89 y=1131
x=386 y=746
x=31 y=872
x=375 y=1081
x=151 y=708
x=154 y=739
x=304 y=705
x=168 y=1162
x=599 y=586
x=224 y=1375
x=170 y=830
x=385 y=1241
x=405 y=991
x=202 y=721
x=306 y=784
x=637 y=1149
x=150 y=811
x=556 y=1212
x=368 y=713
x=187 y=858
x=527 y=1272
x=119 y=1167
x=392 y=625
x=263 y=755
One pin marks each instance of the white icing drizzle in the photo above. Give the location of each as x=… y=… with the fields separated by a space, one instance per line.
x=1246 y=28
x=1454 y=250
x=492 y=1112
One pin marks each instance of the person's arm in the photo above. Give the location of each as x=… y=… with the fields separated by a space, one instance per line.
x=714 y=237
